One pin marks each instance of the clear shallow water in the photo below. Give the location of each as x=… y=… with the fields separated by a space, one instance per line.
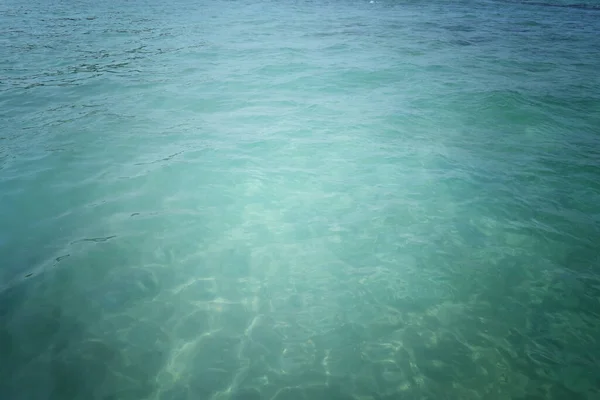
x=299 y=200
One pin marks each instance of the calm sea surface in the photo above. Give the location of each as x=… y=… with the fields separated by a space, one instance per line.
x=303 y=200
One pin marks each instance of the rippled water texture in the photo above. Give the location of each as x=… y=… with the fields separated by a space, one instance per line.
x=299 y=200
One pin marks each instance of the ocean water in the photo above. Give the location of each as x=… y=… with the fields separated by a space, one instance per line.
x=247 y=200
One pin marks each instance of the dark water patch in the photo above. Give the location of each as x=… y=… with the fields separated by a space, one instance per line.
x=246 y=394
x=580 y=6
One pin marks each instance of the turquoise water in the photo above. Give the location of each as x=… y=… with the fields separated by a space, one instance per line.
x=299 y=200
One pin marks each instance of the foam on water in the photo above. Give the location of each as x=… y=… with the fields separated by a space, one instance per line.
x=312 y=200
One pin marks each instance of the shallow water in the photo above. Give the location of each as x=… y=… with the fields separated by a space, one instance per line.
x=299 y=200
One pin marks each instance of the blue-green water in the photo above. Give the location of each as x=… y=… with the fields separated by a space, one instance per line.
x=299 y=200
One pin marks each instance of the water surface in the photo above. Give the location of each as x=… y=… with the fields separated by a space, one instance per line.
x=299 y=200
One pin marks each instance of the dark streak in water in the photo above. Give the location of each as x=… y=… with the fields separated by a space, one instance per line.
x=168 y=158
x=579 y=6
x=62 y=257
x=100 y=239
